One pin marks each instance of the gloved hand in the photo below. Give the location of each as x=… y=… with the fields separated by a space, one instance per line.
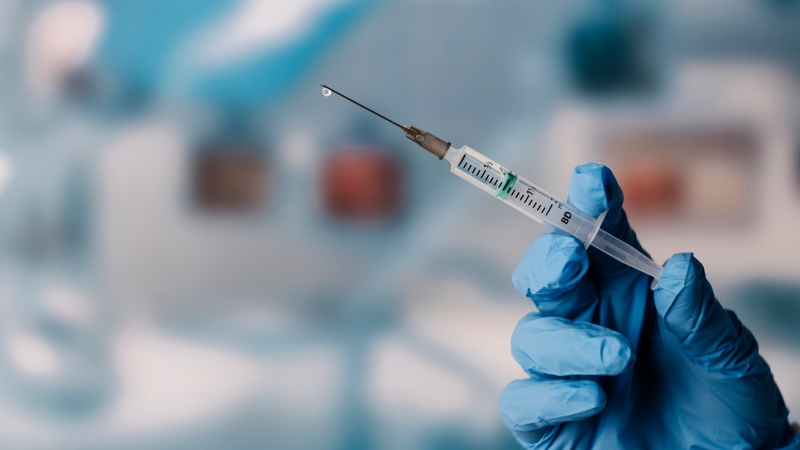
x=613 y=364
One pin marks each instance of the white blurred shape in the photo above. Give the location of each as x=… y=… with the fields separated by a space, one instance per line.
x=299 y=149
x=168 y=383
x=32 y=355
x=69 y=305
x=142 y=171
x=292 y=382
x=447 y=311
x=405 y=383
x=61 y=39
x=6 y=169
x=714 y=186
x=258 y=24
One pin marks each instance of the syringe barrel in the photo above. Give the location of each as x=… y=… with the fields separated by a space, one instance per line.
x=542 y=207
x=520 y=194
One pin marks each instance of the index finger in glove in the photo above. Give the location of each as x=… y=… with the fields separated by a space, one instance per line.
x=593 y=190
x=552 y=274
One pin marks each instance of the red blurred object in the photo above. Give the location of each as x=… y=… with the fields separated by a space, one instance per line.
x=652 y=189
x=362 y=184
x=689 y=173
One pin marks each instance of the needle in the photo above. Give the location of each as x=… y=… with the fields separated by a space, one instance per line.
x=324 y=88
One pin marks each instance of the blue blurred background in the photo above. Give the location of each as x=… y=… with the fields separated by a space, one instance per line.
x=198 y=250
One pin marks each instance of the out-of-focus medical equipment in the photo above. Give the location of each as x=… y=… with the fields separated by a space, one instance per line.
x=362 y=185
x=701 y=168
x=523 y=195
x=231 y=180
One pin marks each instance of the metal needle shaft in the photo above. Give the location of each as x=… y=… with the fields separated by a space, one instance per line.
x=368 y=109
x=428 y=141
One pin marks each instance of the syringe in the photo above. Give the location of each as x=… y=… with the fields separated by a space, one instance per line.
x=523 y=195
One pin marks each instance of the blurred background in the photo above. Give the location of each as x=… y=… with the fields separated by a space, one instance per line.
x=198 y=250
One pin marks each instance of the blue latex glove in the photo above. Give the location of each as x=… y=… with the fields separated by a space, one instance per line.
x=613 y=364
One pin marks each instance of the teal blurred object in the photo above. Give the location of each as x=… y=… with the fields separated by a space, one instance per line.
x=613 y=364
x=148 y=49
x=609 y=52
x=139 y=43
x=771 y=308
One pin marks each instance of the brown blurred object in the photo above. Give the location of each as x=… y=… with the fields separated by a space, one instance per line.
x=230 y=181
x=694 y=173
x=361 y=184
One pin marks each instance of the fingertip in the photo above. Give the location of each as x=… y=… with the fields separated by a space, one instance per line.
x=679 y=271
x=586 y=397
x=515 y=402
x=530 y=404
x=592 y=395
x=594 y=189
x=521 y=340
x=674 y=294
x=555 y=262
x=617 y=355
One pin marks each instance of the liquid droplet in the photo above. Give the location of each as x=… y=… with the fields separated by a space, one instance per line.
x=326 y=92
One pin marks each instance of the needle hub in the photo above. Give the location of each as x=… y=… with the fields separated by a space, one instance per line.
x=436 y=146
